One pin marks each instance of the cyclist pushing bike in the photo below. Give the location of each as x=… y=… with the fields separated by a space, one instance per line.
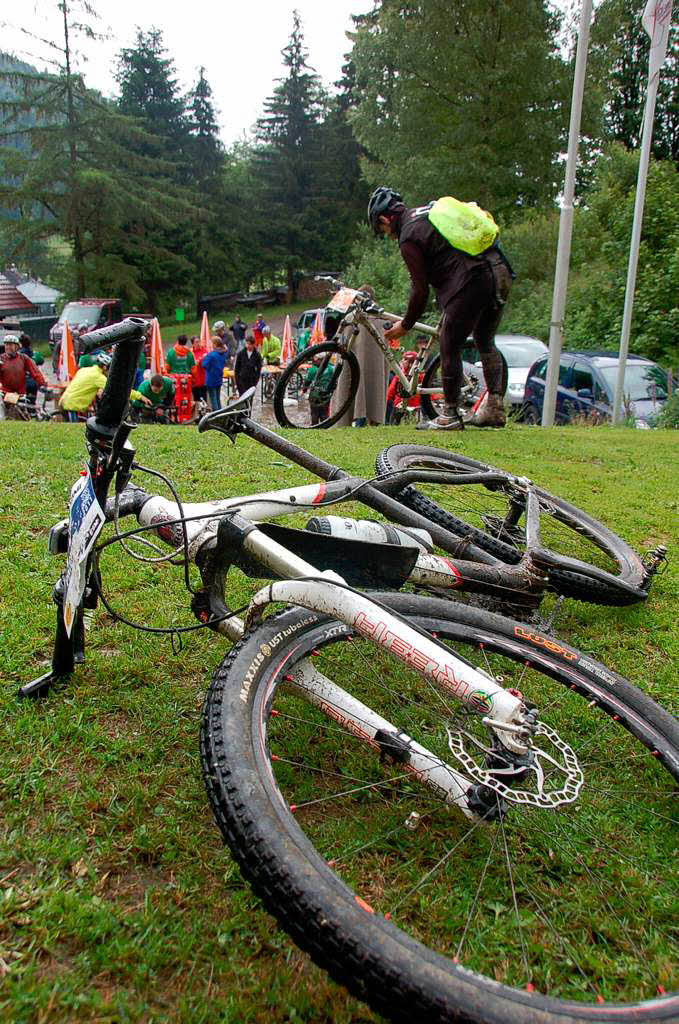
x=471 y=278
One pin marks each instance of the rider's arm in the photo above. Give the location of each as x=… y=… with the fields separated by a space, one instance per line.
x=413 y=257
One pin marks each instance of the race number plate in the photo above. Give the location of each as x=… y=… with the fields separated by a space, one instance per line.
x=342 y=299
x=85 y=520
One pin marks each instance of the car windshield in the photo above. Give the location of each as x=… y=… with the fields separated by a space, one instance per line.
x=522 y=353
x=76 y=313
x=643 y=381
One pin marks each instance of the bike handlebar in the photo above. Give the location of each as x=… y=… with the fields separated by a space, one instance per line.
x=130 y=328
x=113 y=403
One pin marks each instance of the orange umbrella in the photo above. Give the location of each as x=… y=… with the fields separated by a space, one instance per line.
x=205 y=336
x=157 y=354
x=66 y=369
x=288 y=350
x=317 y=335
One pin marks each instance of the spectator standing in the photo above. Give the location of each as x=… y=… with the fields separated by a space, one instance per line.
x=15 y=366
x=238 y=329
x=258 y=329
x=198 y=370
x=271 y=348
x=248 y=365
x=180 y=358
x=303 y=339
x=319 y=400
x=213 y=363
x=219 y=331
x=395 y=390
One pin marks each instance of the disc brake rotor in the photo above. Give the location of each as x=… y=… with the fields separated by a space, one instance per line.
x=542 y=769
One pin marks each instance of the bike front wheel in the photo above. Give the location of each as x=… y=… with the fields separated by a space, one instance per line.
x=490 y=515
x=327 y=397
x=531 y=913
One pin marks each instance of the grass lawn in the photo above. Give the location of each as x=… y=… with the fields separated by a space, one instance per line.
x=118 y=901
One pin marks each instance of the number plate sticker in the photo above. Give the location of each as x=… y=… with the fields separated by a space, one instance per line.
x=85 y=520
x=342 y=299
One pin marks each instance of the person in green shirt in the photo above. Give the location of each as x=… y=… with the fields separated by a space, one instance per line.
x=156 y=398
x=303 y=339
x=319 y=398
x=271 y=348
x=180 y=358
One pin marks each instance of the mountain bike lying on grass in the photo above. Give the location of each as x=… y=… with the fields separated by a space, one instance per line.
x=337 y=360
x=461 y=818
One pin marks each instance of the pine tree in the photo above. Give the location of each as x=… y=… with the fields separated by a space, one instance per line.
x=82 y=174
x=206 y=150
x=286 y=160
x=147 y=80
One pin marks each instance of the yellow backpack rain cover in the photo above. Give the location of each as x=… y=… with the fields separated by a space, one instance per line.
x=465 y=225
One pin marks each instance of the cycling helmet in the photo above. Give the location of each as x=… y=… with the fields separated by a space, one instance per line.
x=380 y=202
x=103 y=359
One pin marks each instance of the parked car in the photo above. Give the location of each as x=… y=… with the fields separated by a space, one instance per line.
x=330 y=319
x=520 y=352
x=84 y=315
x=587 y=387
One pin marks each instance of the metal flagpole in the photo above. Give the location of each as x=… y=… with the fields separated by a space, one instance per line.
x=563 y=253
x=656 y=20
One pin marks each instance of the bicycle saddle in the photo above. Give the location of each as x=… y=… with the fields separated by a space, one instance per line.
x=228 y=420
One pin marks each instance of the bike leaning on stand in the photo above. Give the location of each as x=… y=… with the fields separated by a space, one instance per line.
x=441 y=805
x=335 y=361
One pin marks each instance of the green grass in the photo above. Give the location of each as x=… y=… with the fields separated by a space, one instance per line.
x=118 y=899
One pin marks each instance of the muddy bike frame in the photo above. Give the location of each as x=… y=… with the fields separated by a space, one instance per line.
x=216 y=535
x=360 y=314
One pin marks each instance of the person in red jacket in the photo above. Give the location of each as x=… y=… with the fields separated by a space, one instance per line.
x=15 y=366
x=199 y=388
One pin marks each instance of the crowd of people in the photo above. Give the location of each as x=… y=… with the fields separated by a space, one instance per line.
x=471 y=289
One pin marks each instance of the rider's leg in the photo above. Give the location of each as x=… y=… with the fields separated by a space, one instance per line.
x=492 y=414
x=461 y=315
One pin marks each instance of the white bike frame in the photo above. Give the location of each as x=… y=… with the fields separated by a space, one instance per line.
x=328 y=594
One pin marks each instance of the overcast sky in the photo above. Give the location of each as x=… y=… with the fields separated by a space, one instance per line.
x=239 y=44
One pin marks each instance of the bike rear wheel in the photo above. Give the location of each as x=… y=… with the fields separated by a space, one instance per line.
x=543 y=915
x=610 y=571
x=432 y=404
x=325 y=403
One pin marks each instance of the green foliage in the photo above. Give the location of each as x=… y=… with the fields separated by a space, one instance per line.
x=305 y=168
x=87 y=173
x=467 y=99
x=669 y=415
x=618 y=64
x=601 y=240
